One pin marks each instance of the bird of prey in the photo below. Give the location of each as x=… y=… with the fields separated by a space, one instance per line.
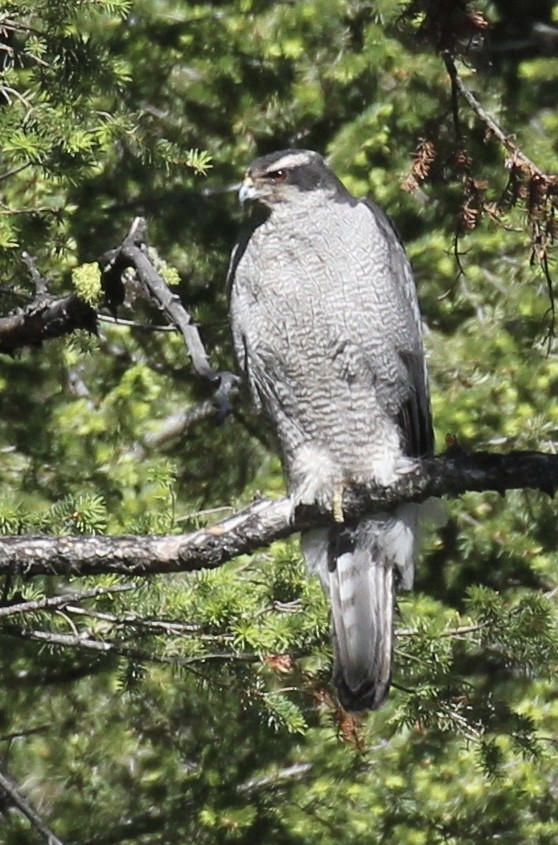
x=327 y=329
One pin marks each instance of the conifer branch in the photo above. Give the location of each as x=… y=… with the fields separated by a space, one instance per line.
x=518 y=156
x=264 y=521
x=91 y=643
x=47 y=316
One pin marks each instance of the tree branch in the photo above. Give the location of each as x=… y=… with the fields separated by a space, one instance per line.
x=172 y=427
x=45 y=318
x=106 y=646
x=132 y=253
x=527 y=185
x=264 y=521
x=48 y=316
x=53 y=602
x=14 y=796
x=516 y=152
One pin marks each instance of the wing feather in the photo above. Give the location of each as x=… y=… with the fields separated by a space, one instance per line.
x=415 y=416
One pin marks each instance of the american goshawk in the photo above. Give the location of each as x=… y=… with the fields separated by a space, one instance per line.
x=327 y=328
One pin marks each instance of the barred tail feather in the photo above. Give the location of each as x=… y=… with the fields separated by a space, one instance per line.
x=360 y=567
x=362 y=597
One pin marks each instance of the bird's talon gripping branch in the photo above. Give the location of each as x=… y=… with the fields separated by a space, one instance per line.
x=227 y=385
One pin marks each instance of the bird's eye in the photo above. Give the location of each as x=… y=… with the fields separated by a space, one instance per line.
x=277 y=175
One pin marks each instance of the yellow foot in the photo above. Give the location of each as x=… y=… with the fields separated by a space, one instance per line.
x=337 y=503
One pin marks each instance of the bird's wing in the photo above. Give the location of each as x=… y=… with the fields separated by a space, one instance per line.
x=239 y=338
x=414 y=415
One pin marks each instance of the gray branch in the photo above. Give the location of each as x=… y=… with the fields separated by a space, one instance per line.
x=48 y=316
x=506 y=139
x=172 y=427
x=61 y=601
x=85 y=642
x=133 y=253
x=264 y=521
x=14 y=796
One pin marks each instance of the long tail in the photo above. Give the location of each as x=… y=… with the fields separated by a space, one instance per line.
x=361 y=566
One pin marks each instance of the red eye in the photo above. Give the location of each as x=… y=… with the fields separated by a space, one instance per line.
x=277 y=175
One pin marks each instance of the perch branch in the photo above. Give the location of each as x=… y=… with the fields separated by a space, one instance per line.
x=264 y=521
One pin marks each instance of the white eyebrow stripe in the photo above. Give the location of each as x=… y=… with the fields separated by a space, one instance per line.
x=291 y=160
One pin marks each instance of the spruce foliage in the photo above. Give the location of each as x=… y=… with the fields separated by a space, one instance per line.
x=198 y=707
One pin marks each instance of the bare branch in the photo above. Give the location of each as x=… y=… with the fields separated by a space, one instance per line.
x=40 y=729
x=132 y=324
x=133 y=253
x=14 y=171
x=61 y=601
x=10 y=789
x=45 y=318
x=106 y=646
x=171 y=427
x=298 y=771
x=264 y=521
x=494 y=127
x=133 y=620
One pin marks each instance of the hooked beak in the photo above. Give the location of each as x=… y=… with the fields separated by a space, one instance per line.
x=248 y=191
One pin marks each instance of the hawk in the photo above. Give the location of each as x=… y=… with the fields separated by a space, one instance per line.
x=327 y=329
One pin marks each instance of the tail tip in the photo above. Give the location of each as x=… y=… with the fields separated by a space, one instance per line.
x=368 y=696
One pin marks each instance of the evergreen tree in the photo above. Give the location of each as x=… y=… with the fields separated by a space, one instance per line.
x=197 y=706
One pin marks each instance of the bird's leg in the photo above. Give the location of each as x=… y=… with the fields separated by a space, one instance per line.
x=337 y=502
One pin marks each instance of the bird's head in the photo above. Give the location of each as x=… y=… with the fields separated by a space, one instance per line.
x=283 y=176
